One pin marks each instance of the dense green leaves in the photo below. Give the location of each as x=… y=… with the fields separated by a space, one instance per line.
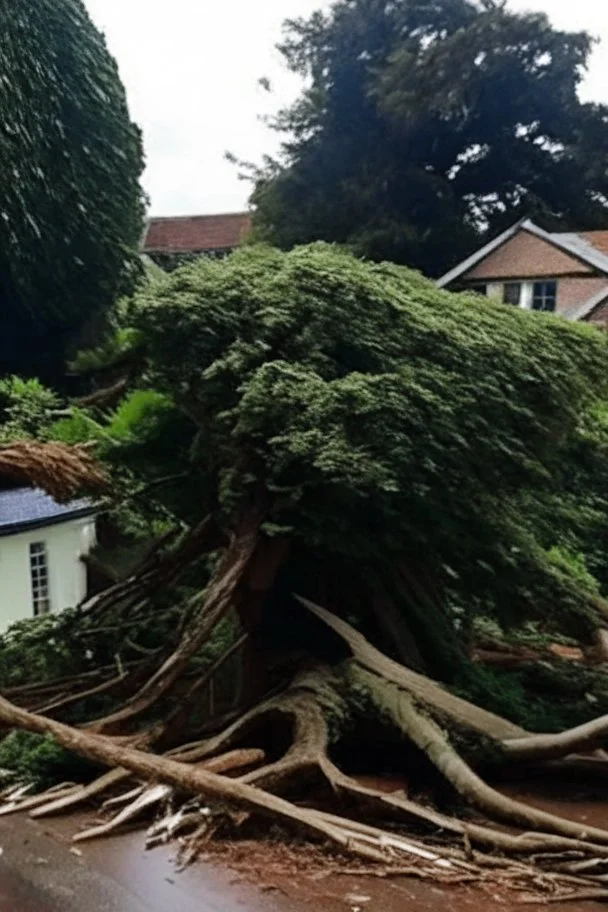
x=70 y=161
x=425 y=127
x=387 y=419
x=26 y=409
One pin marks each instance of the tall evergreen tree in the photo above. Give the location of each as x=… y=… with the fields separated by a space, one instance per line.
x=70 y=162
x=426 y=126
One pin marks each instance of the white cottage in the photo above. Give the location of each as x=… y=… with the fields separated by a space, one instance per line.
x=41 y=546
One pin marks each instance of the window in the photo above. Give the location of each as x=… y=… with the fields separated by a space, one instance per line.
x=480 y=290
x=39 y=573
x=544 y=296
x=511 y=293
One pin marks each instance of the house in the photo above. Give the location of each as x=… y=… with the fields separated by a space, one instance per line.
x=565 y=272
x=41 y=546
x=173 y=239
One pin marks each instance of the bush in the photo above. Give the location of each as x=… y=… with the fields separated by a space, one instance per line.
x=38 y=760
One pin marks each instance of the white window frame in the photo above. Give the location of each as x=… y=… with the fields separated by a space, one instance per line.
x=513 y=285
x=496 y=291
x=543 y=296
x=39 y=578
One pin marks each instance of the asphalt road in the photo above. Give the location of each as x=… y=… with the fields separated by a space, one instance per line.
x=39 y=872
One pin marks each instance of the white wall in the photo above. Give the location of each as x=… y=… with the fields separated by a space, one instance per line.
x=65 y=543
x=495 y=290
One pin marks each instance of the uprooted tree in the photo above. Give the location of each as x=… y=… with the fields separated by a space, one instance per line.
x=361 y=465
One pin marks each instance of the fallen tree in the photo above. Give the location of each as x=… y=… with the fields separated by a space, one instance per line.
x=365 y=465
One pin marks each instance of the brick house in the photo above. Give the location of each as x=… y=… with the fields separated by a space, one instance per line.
x=531 y=268
x=171 y=240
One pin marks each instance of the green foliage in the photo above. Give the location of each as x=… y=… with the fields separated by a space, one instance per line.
x=36 y=650
x=543 y=697
x=425 y=127
x=576 y=567
x=77 y=427
x=70 y=162
x=63 y=645
x=40 y=761
x=138 y=415
x=388 y=420
x=26 y=409
x=117 y=348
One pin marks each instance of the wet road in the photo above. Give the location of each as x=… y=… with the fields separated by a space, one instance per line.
x=40 y=872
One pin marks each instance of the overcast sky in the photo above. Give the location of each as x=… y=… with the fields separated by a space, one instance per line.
x=191 y=69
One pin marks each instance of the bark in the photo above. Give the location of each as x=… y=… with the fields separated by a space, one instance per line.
x=535 y=748
x=431 y=740
x=463 y=714
x=219 y=599
x=176 y=722
x=192 y=780
x=601 y=638
x=393 y=625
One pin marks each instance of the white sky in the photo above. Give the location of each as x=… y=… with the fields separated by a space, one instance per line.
x=191 y=69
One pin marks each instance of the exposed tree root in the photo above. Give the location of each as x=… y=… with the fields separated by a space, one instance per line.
x=82 y=793
x=534 y=748
x=296 y=727
x=219 y=599
x=462 y=713
x=187 y=778
x=428 y=736
x=147 y=798
x=13 y=806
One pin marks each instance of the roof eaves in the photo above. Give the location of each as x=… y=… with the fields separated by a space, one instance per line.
x=582 y=249
x=591 y=257
x=195 y=251
x=28 y=525
x=482 y=253
x=589 y=306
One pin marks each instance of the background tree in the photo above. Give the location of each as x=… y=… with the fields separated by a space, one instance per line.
x=425 y=127
x=70 y=162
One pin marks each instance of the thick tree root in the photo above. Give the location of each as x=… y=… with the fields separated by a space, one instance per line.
x=218 y=600
x=552 y=852
x=463 y=714
x=535 y=748
x=189 y=779
x=147 y=798
x=428 y=736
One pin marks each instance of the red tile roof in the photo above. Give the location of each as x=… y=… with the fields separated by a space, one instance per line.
x=196 y=233
x=599 y=239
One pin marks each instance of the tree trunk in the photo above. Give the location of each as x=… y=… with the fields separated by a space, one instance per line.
x=220 y=597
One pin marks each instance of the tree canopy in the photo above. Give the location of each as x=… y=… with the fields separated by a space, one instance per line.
x=70 y=162
x=425 y=127
x=386 y=421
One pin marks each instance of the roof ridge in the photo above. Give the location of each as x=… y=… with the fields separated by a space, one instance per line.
x=239 y=214
x=564 y=241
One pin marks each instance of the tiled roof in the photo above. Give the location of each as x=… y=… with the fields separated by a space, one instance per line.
x=196 y=233
x=24 y=508
x=585 y=245
x=599 y=239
